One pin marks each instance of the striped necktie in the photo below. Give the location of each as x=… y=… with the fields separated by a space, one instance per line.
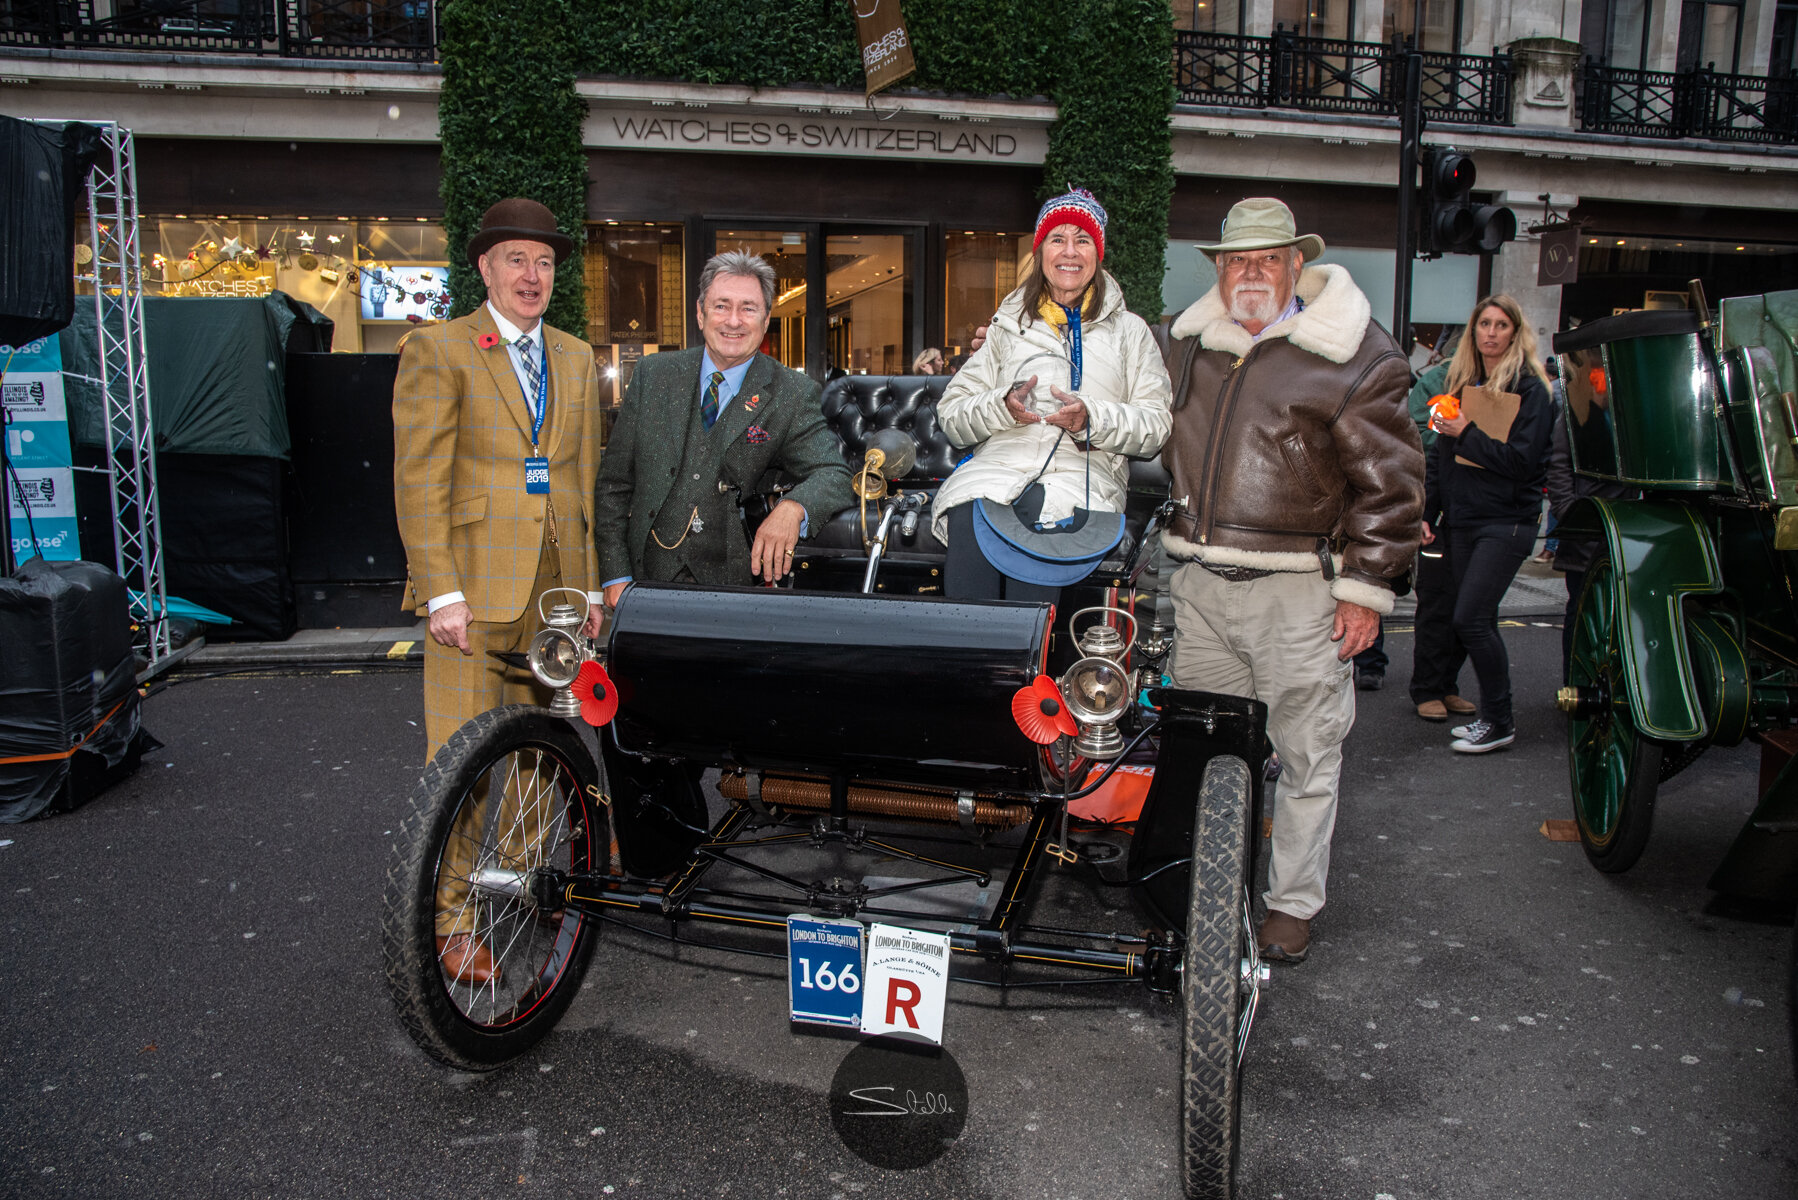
x=533 y=373
x=708 y=408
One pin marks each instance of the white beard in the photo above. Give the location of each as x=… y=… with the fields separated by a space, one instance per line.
x=1252 y=303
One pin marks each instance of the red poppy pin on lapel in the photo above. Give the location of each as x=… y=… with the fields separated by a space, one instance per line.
x=487 y=341
x=749 y=404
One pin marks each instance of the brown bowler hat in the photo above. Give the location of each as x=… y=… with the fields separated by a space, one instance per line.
x=518 y=220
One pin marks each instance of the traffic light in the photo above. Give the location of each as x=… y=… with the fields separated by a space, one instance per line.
x=1451 y=223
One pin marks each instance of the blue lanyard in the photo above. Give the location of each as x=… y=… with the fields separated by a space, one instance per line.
x=1073 y=315
x=542 y=398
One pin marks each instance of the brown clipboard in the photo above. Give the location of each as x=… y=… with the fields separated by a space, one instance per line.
x=1493 y=412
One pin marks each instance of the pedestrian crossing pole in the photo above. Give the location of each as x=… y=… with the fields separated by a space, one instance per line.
x=1410 y=134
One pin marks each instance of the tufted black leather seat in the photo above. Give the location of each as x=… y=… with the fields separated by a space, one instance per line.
x=857 y=406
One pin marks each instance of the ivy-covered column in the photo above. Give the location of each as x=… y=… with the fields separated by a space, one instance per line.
x=511 y=125
x=1114 y=86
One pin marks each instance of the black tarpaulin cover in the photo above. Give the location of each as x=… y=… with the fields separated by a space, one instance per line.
x=43 y=176
x=224 y=539
x=66 y=674
x=218 y=368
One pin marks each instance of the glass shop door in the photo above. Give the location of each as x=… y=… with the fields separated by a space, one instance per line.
x=847 y=297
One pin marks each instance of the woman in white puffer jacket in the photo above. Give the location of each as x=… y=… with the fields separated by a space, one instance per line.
x=1067 y=320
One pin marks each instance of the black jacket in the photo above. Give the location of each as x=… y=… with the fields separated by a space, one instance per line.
x=1506 y=487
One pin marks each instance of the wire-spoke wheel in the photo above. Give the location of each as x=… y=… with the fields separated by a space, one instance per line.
x=481 y=957
x=1220 y=979
x=1615 y=768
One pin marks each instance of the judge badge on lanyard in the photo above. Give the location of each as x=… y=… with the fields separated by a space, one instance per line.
x=536 y=467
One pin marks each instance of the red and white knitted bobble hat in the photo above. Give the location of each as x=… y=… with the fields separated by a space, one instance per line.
x=1078 y=207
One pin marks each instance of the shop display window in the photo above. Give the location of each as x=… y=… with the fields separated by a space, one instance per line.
x=636 y=297
x=867 y=286
x=786 y=251
x=1624 y=272
x=980 y=270
x=374 y=278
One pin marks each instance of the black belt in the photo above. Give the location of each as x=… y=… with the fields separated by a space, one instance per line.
x=1236 y=574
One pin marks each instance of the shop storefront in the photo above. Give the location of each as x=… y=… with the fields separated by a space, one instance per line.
x=876 y=258
x=851 y=297
x=374 y=277
x=1646 y=255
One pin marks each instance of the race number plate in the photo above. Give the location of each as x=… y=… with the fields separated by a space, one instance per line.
x=824 y=971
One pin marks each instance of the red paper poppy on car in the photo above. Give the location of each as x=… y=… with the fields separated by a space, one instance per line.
x=593 y=688
x=487 y=341
x=1041 y=714
x=1595 y=377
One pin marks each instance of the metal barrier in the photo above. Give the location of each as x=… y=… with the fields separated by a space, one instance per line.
x=1325 y=75
x=392 y=30
x=1697 y=104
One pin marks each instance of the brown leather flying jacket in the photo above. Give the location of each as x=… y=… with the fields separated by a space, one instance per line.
x=1296 y=446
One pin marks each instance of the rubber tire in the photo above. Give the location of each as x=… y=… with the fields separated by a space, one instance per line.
x=549 y=953
x=1614 y=769
x=1211 y=986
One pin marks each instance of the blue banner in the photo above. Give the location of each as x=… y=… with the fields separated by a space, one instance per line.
x=40 y=482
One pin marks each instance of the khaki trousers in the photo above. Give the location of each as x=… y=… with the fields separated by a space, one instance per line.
x=459 y=687
x=1269 y=639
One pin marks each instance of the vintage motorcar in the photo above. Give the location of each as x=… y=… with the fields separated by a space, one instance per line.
x=1686 y=635
x=873 y=751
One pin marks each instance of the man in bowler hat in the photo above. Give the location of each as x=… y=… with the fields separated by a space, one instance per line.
x=698 y=430
x=496 y=445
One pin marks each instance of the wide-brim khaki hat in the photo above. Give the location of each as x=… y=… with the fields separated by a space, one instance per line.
x=1263 y=223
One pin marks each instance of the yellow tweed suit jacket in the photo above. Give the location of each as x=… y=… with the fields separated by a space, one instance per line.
x=461 y=433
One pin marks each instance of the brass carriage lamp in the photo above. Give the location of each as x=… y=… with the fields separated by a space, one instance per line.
x=556 y=653
x=1098 y=687
x=1097 y=691
x=1101 y=639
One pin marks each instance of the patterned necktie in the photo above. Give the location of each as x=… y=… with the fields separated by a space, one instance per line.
x=533 y=374
x=708 y=408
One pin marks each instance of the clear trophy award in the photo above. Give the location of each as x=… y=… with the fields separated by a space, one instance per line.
x=1051 y=370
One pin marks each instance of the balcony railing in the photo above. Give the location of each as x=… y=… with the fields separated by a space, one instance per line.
x=393 y=30
x=1695 y=104
x=1322 y=75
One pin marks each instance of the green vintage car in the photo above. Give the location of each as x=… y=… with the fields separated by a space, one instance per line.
x=1686 y=635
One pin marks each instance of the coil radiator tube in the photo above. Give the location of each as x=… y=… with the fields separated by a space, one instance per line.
x=917 y=805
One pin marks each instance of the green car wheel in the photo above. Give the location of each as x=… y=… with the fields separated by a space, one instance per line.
x=1615 y=768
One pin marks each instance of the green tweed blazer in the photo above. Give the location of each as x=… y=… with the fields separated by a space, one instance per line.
x=661 y=464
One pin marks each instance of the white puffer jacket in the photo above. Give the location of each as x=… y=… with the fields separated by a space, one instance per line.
x=1128 y=406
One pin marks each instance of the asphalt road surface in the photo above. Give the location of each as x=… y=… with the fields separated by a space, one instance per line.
x=195 y=1006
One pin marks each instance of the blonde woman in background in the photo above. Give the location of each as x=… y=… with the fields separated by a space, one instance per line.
x=1487 y=507
x=928 y=362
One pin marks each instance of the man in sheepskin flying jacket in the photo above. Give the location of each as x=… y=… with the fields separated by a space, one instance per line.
x=1300 y=480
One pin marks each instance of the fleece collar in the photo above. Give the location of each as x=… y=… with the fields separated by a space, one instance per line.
x=1331 y=325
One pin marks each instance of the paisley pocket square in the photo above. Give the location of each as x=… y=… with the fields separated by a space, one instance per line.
x=757 y=435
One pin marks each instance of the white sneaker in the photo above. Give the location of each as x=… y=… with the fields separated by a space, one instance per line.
x=1482 y=736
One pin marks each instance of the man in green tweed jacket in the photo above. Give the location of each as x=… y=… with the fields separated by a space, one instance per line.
x=698 y=429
